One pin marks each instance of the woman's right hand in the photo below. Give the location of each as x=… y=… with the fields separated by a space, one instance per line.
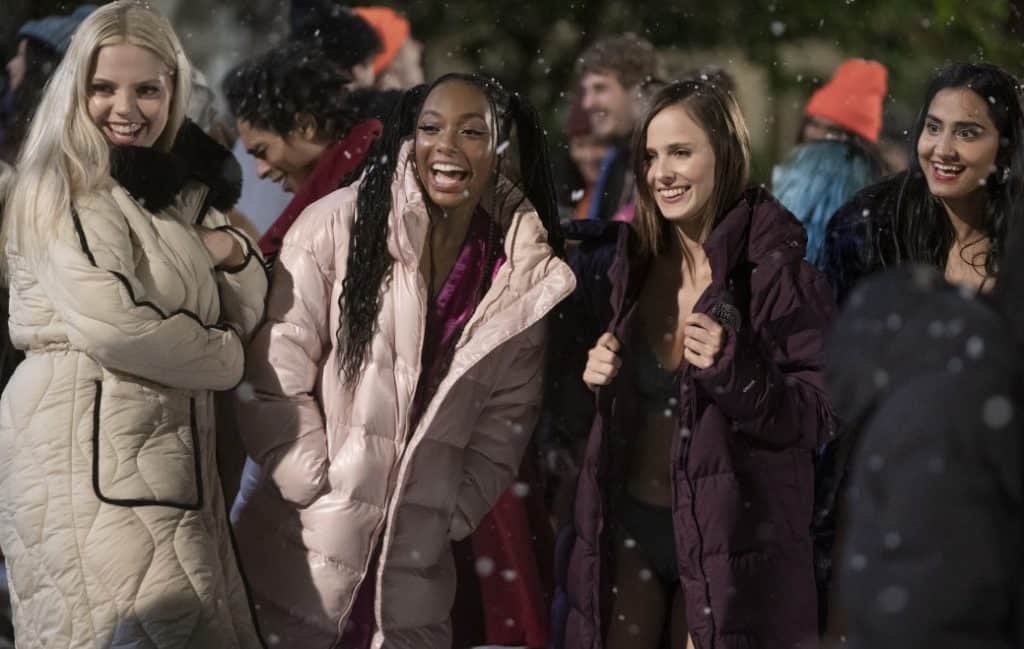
x=603 y=362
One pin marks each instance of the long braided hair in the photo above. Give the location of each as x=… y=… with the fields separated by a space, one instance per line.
x=370 y=262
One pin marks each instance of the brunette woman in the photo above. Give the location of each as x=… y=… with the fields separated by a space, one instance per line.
x=964 y=190
x=397 y=380
x=694 y=501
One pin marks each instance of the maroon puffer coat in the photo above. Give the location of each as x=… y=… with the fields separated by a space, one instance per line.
x=742 y=465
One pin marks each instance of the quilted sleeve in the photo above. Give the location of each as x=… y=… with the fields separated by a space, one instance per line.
x=89 y=275
x=280 y=419
x=772 y=385
x=500 y=436
x=243 y=288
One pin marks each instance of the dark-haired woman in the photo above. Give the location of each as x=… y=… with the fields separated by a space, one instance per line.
x=397 y=380
x=694 y=500
x=295 y=117
x=952 y=208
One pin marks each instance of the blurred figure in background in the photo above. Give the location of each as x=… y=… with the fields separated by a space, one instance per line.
x=929 y=378
x=582 y=164
x=397 y=67
x=838 y=151
x=399 y=64
x=292 y=110
x=41 y=45
x=610 y=71
x=952 y=210
x=351 y=44
x=343 y=35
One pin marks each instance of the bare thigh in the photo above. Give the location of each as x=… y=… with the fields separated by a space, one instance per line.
x=641 y=603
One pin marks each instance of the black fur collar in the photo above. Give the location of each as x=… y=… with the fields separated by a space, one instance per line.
x=154 y=178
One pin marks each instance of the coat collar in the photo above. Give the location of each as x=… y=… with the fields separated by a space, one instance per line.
x=526 y=239
x=155 y=178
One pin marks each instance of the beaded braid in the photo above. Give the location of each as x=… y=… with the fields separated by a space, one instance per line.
x=369 y=260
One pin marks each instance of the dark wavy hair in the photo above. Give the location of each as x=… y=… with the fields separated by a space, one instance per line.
x=921 y=225
x=369 y=261
x=270 y=90
x=343 y=35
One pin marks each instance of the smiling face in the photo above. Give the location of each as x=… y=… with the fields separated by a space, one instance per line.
x=285 y=159
x=608 y=104
x=455 y=148
x=129 y=95
x=680 y=165
x=958 y=145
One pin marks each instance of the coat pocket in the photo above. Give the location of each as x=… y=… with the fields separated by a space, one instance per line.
x=145 y=446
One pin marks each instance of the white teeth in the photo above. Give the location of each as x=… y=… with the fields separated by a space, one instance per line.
x=447 y=168
x=125 y=129
x=948 y=169
x=672 y=192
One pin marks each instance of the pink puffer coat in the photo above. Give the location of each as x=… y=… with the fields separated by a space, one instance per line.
x=340 y=466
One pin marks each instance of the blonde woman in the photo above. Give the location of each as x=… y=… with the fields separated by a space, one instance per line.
x=132 y=298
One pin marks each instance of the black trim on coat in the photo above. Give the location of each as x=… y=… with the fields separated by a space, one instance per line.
x=145 y=502
x=131 y=292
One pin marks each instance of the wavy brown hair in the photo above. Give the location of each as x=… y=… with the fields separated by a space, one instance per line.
x=715 y=110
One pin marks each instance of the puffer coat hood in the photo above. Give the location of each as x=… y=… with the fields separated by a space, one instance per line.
x=342 y=472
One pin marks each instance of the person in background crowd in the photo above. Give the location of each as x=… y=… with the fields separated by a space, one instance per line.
x=133 y=298
x=345 y=37
x=397 y=67
x=951 y=210
x=351 y=44
x=609 y=72
x=291 y=106
x=838 y=153
x=399 y=64
x=585 y=154
x=953 y=207
x=706 y=330
x=928 y=378
x=41 y=45
x=836 y=157
x=393 y=388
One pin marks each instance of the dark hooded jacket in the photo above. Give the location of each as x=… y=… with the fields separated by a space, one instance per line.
x=934 y=515
x=861 y=237
x=742 y=466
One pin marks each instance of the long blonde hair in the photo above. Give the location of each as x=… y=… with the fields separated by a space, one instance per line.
x=65 y=154
x=717 y=112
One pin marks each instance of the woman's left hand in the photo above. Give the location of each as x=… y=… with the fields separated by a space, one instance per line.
x=223 y=248
x=703 y=340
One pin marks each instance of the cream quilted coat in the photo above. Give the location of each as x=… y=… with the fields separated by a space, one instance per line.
x=111 y=514
x=341 y=470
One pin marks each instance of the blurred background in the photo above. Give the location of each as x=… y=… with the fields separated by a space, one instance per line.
x=777 y=51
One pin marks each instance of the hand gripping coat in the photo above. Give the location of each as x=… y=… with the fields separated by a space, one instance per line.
x=111 y=515
x=342 y=471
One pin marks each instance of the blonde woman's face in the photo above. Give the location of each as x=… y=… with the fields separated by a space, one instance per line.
x=129 y=95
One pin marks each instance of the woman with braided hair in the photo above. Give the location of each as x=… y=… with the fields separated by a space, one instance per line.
x=397 y=379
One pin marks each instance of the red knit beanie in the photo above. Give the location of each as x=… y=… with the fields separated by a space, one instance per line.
x=853 y=98
x=393 y=29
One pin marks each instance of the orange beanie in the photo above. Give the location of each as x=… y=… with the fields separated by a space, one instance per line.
x=853 y=98
x=393 y=29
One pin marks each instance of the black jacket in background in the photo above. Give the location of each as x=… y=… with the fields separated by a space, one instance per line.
x=933 y=544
